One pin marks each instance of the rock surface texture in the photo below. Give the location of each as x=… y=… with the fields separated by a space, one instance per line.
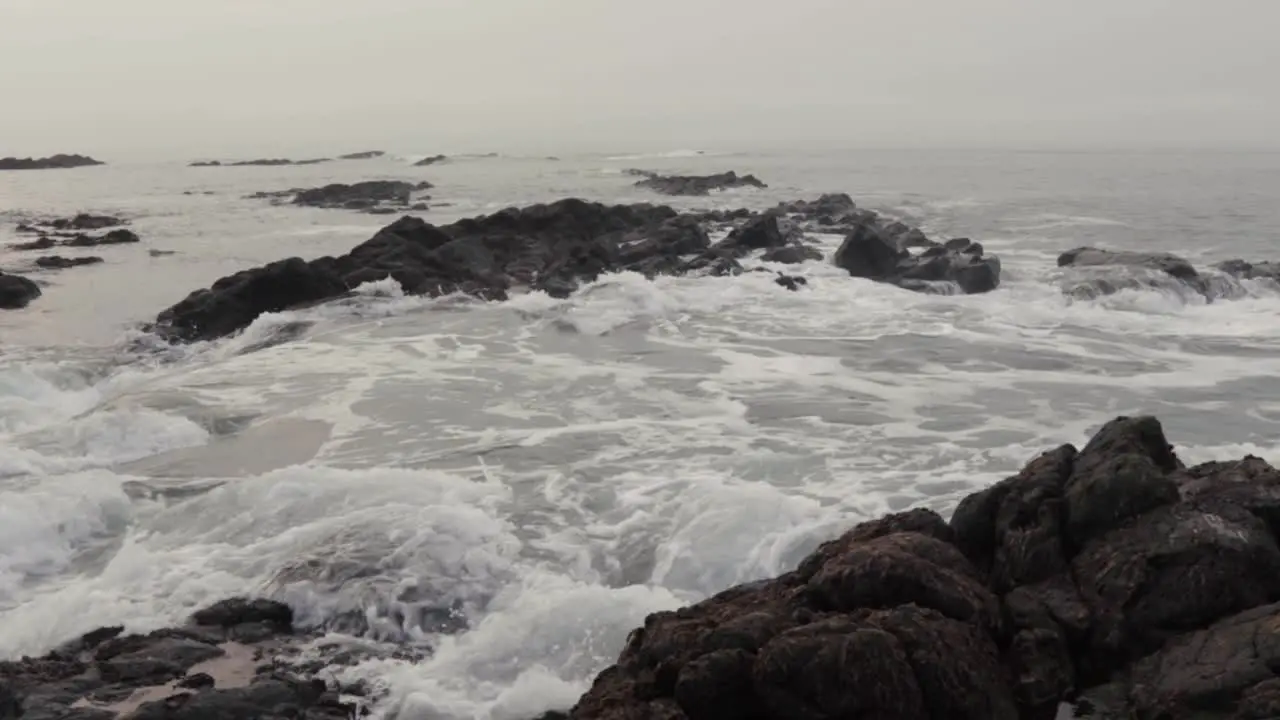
x=694 y=184
x=1113 y=564
x=54 y=162
x=1096 y=272
x=552 y=248
x=16 y=292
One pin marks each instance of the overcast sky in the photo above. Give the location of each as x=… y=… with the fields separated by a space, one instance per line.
x=245 y=77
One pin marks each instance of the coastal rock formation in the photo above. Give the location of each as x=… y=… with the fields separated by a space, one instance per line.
x=238 y=658
x=119 y=236
x=1096 y=272
x=553 y=248
x=260 y=162
x=432 y=160
x=694 y=184
x=366 y=155
x=1113 y=563
x=16 y=292
x=54 y=162
x=870 y=251
x=58 y=262
x=377 y=197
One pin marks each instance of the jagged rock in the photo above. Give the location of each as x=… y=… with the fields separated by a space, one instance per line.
x=695 y=184
x=868 y=252
x=238 y=611
x=16 y=292
x=358 y=196
x=58 y=262
x=48 y=163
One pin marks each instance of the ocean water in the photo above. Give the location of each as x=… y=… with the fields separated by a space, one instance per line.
x=516 y=485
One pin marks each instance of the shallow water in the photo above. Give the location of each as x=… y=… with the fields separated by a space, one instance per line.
x=543 y=473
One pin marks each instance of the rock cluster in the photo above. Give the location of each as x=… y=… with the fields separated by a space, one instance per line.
x=1098 y=272
x=553 y=248
x=54 y=162
x=377 y=197
x=1112 y=565
x=694 y=184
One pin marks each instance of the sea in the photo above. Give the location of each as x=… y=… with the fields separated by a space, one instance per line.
x=511 y=487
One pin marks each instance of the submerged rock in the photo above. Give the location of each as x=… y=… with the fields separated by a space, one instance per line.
x=1096 y=272
x=1113 y=565
x=58 y=262
x=694 y=184
x=58 y=162
x=16 y=292
x=871 y=252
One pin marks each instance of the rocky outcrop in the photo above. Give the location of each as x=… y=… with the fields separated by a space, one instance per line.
x=872 y=251
x=237 y=659
x=54 y=162
x=376 y=197
x=366 y=155
x=1094 y=272
x=119 y=236
x=552 y=248
x=1108 y=565
x=260 y=162
x=432 y=160
x=75 y=223
x=694 y=184
x=58 y=262
x=16 y=292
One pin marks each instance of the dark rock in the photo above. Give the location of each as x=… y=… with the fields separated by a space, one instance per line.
x=430 y=160
x=16 y=292
x=153 y=252
x=360 y=195
x=1251 y=271
x=419 y=207
x=198 y=681
x=119 y=236
x=868 y=252
x=791 y=282
x=695 y=184
x=237 y=611
x=1161 y=262
x=761 y=233
x=57 y=262
x=47 y=163
x=366 y=155
x=44 y=242
x=791 y=254
x=10 y=705
x=261 y=162
x=86 y=221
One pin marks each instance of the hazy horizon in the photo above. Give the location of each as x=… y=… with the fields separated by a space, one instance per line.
x=140 y=79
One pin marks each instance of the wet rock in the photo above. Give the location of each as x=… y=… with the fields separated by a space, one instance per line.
x=1162 y=262
x=48 y=163
x=1251 y=271
x=198 y=681
x=868 y=252
x=86 y=221
x=695 y=184
x=761 y=233
x=16 y=292
x=792 y=254
x=366 y=155
x=432 y=160
x=119 y=236
x=358 y=196
x=237 y=611
x=44 y=242
x=58 y=262
x=791 y=282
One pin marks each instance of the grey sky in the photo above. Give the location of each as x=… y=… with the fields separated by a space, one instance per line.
x=236 y=77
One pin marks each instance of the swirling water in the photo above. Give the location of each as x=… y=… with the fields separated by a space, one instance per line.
x=516 y=485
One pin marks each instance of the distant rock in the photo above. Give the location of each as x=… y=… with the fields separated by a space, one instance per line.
x=16 y=292
x=58 y=262
x=119 y=236
x=261 y=162
x=961 y=264
x=376 y=197
x=430 y=160
x=44 y=242
x=153 y=252
x=366 y=155
x=55 y=162
x=86 y=221
x=694 y=184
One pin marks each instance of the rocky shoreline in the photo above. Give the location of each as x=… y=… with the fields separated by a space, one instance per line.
x=1107 y=574
x=53 y=162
